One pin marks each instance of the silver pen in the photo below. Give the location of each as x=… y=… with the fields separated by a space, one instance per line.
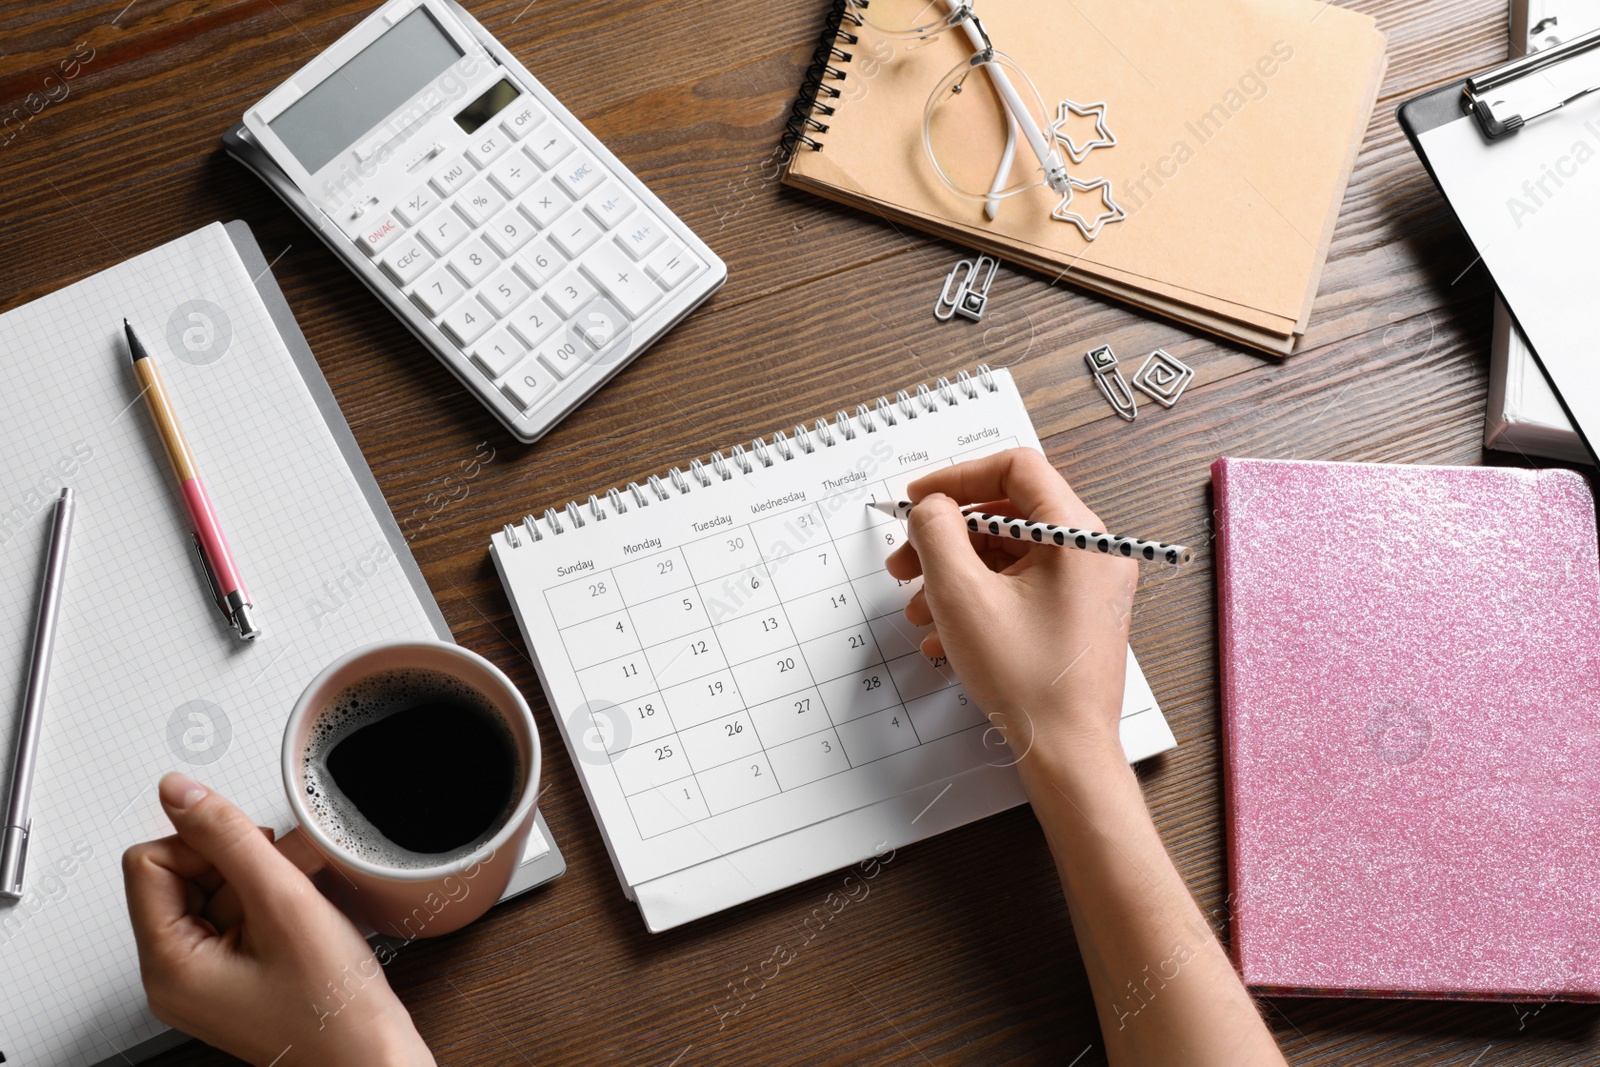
x=14 y=848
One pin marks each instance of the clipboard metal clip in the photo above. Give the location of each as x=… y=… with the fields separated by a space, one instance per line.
x=1508 y=97
x=966 y=294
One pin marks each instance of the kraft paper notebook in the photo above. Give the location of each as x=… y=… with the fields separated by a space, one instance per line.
x=729 y=663
x=1411 y=711
x=1237 y=126
x=147 y=676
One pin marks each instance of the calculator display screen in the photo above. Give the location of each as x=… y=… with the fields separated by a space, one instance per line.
x=356 y=97
x=487 y=106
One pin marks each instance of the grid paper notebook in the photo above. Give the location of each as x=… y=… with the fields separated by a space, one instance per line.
x=729 y=664
x=147 y=677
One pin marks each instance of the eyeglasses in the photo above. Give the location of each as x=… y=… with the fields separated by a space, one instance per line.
x=963 y=110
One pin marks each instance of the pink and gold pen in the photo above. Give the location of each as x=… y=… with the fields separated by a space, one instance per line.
x=227 y=586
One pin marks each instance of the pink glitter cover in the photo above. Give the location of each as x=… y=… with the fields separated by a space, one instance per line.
x=1411 y=721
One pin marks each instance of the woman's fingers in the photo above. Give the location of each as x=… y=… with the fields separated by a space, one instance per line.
x=159 y=879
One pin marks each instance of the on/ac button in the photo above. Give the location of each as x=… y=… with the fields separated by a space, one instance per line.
x=377 y=234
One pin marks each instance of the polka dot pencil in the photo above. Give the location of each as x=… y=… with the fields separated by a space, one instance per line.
x=1061 y=536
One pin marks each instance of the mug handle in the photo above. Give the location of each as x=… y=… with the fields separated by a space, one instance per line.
x=223 y=910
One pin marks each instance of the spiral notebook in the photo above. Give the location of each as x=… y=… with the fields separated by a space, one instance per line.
x=728 y=661
x=1236 y=127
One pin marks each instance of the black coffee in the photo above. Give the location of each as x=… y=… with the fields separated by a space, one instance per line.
x=409 y=767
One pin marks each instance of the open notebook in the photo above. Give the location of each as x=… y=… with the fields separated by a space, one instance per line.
x=729 y=664
x=1236 y=122
x=147 y=677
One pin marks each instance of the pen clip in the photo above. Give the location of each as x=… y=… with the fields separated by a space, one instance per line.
x=211 y=578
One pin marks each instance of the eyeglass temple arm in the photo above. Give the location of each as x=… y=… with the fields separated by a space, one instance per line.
x=1002 y=173
x=1043 y=146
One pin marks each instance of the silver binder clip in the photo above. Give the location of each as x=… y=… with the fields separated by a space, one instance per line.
x=1113 y=386
x=1509 y=96
x=966 y=289
x=1163 y=378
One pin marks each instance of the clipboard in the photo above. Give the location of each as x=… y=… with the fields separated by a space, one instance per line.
x=1515 y=150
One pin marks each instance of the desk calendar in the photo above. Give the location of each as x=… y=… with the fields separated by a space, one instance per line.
x=731 y=667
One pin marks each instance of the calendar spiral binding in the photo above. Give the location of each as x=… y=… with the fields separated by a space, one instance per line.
x=767 y=452
x=826 y=61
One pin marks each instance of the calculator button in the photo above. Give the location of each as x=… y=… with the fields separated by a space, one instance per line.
x=609 y=205
x=671 y=265
x=524 y=120
x=544 y=203
x=405 y=260
x=437 y=290
x=415 y=204
x=622 y=279
x=503 y=292
x=479 y=201
x=508 y=231
x=569 y=292
x=467 y=321
x=496 y=351
x=451 y=177
x=377 y=234
x=640 y=235
x=487 y=145
x=579 y=174
x=539 y=262
x=561 y=356
x=528 y=383
x=600 y=324
x=472 y=261
x=513 y=173
x=574 y=233
x=442 y=230
x=549 y=146
x=533 y=323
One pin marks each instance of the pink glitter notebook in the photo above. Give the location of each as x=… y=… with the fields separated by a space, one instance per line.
x=1411 y=720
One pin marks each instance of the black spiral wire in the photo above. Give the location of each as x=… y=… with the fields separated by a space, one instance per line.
x=824 y=68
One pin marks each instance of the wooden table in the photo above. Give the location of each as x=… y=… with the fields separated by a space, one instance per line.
x=962 y=952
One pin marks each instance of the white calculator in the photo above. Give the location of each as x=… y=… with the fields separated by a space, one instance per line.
x=520 y=251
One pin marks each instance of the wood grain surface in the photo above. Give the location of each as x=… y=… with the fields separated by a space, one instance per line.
x=962 y=952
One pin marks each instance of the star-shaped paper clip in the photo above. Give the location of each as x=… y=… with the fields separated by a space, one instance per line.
x=1103 y=137
x=1090 y=228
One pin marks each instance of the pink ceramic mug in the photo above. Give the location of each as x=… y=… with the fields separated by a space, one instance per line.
x=411 y=902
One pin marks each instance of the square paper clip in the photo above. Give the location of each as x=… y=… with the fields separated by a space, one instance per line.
x=1163 y=378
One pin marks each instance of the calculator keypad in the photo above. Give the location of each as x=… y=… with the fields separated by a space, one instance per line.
x=528 y=255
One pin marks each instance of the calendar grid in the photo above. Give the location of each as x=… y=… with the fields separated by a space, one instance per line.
x=701 y=590
x=661 y=786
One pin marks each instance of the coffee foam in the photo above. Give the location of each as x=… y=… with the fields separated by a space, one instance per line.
x=366 y=702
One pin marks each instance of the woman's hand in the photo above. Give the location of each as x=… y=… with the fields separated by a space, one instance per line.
x=292 y=983
x=1037 y=634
